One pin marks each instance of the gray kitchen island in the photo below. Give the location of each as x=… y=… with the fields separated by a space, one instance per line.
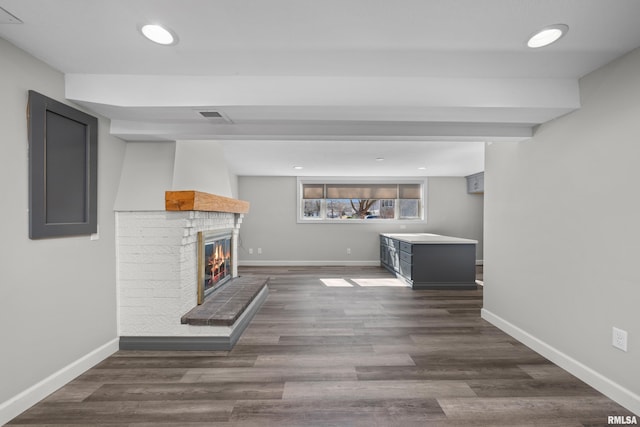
x=430 y=261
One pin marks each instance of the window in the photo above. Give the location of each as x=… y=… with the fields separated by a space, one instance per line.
x=336 y=201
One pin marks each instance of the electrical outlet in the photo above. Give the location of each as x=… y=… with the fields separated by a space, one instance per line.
x=250 y=251
x=259 y=251
x=348 y=251
x=619 y=339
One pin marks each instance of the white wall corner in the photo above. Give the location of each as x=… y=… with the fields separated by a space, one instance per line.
x=606 y=386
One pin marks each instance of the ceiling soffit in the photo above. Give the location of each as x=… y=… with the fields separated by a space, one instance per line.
x=165 y=107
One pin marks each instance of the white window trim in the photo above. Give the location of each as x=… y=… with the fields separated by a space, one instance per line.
x=360 y=180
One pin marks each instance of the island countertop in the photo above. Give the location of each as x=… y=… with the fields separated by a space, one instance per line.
x=427 y=238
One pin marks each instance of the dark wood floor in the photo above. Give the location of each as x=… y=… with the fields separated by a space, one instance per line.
x=346 y=352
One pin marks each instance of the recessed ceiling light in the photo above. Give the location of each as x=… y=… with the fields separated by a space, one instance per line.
x=298 y=167
x=379 y=159
x=547 y=35
x=422 y=168
x=158 y=34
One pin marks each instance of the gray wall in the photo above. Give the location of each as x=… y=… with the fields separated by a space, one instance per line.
x=57 y=296
x=562 y=233
x=271 y=224
x=147 y=172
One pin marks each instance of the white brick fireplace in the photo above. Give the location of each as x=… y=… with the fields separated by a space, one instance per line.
x=157 y=274
x=157 y=268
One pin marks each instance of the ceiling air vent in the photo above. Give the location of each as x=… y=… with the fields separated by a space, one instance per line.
x=215 y=117
x=211 y=114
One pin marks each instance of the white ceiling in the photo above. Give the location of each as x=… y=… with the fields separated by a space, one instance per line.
x=328 y=85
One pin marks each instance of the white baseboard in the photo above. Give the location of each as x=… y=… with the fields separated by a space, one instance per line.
x=23 y=401
x=315 y=263
x=309 y=263
x=609 y=388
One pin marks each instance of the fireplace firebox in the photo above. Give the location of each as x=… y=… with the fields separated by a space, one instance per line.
x=214 y=261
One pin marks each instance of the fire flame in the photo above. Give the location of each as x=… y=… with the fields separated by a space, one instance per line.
x=217 y=263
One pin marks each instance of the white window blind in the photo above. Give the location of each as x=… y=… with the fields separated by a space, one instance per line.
x=362 y=191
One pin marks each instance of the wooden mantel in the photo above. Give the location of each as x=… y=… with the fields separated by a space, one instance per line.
x=191 y=200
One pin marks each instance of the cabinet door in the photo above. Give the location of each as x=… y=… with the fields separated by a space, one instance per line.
x=384 y=255
x=394 y=260
x=388 y=253
x=406 y=269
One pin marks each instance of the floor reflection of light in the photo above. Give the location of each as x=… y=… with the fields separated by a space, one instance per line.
x=380 y=282
x=336 y=283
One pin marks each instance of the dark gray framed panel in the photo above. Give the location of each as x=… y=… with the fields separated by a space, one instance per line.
x=63 y=169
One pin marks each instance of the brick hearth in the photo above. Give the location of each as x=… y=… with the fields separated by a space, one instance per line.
x=226 y=304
